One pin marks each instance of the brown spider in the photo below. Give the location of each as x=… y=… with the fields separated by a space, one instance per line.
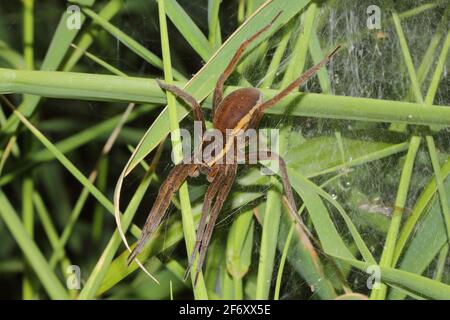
x=240 y=110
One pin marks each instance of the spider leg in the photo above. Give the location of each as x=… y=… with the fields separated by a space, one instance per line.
x=198 y=114
x=173 y=182
x=294 y=85
x=218 y=91
x=211 y=176
x=230 y=175
x=269 y=155
x=209 y=197
x=292 y=207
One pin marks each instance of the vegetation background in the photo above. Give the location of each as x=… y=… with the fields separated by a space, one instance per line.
x=367 y=148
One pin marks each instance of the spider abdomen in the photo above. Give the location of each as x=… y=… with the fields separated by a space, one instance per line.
x=234 y=107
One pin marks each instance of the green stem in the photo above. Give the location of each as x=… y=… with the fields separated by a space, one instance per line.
x=440 y=183
x=275 y=62
x=110 y=9
x=186 y=210
x=283 y=261
x=438 y=71
x=407 y=58
x=28 y=33
x=215 y=39
x=35 y=258
x=94 y=282
x=50 y=230
x=402 y=192
x=442 y=259
x=238 y=290
x=241 y=12
x=113 y=88
x=28 y=223
x=27 y=184
x=132 y=44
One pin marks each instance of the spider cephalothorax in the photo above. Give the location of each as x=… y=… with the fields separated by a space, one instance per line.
x=240 y=110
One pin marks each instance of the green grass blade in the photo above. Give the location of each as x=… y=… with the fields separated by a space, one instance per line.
x=27 y=183
x=418 y=211
x=186 y=210
x=239 y=250
x=442 y=259
x=188 y=29
x=400 y=201
x=45 y=219
x=438 y=71
x=28 y=223
x=132 y=44
x=271 y=222
x=215 y=39
x=71 y=167
x=439 y=182
x=71 y=143
x=97 y=276
x=276 y=60
x=61 y=41
x=269 y=239
x=121 y=89
x=309 y=264
x=40 y=266
x=28 y=32
x=316 y=52
x=429 y=237
x=407 y=58
x=332 y=243
x=100 y=62
x=427 y=60
x=420 y=9
x=110 y=9
x=410 y=281
x=287 y=243
x=11 y=58
x=51 y=232
x=300 y=51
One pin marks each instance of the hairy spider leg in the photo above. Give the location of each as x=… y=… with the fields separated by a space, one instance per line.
x=230 y=175
x=218 y=91
x=198 y=114
x=173 y=182
x=210 y=194
x=294 y=85
x=270 y=155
